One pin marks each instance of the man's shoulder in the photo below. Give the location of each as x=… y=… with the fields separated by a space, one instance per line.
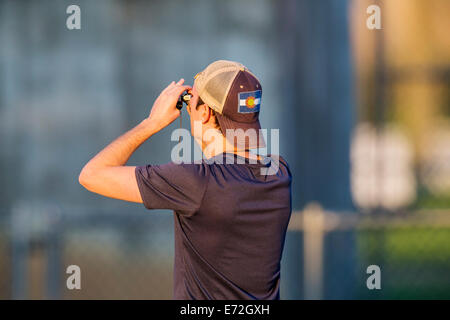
x=286 y=165
x=280 y=162
x=203 y=167
x=280 y=158
x=197 y=168
x=173 y=171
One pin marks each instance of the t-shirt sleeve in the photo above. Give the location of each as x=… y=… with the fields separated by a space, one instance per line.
x=179 y=187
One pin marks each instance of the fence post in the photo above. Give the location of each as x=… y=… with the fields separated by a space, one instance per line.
x=313 y=244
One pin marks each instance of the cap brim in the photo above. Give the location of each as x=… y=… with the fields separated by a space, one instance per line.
x=245 y=139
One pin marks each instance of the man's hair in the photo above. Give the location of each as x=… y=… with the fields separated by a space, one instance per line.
x=216 y=122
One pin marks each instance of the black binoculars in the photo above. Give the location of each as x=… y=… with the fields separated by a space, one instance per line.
x=184 y=98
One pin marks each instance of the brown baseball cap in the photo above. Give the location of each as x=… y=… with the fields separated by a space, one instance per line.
x=231 y=90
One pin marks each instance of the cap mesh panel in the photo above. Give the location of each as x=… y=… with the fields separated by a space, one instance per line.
x=215 y=81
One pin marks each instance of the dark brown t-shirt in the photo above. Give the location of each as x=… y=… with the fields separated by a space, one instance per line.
x=230 y=224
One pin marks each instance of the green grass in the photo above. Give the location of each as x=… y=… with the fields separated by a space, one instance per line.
x=428 y=200
x=414 y=261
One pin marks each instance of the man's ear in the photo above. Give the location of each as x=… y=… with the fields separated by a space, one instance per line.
x=205 y=112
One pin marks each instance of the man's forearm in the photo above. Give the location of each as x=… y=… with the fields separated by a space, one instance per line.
x=119 y=151
x=106 y=174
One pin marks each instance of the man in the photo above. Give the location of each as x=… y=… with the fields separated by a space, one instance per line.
x=230 y=212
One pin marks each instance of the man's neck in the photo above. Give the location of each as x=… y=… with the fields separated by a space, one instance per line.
x=219 y=144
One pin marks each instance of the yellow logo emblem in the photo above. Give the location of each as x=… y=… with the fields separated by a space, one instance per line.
x=250 y=102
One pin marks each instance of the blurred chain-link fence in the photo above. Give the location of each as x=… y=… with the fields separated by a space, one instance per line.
x=412 y=250
x=124 y=256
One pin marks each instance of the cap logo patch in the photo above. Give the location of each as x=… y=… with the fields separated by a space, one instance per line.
x=249 y=102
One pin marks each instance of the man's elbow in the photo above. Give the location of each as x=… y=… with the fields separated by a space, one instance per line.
x=85 y=177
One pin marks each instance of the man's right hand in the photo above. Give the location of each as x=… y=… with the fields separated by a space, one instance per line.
x=164 y=110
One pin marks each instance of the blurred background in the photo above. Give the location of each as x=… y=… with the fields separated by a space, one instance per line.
x=364 y=119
